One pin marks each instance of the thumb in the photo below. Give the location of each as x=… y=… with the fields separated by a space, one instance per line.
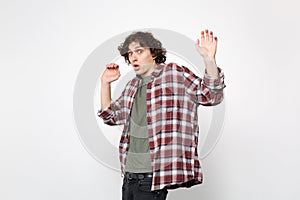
x=199 y=49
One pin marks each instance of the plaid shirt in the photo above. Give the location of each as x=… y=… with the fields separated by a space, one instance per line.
x=173 y=96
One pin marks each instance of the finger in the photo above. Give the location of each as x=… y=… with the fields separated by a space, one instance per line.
x=206 y=34
x=113 y=66
x=215 y=40
x=202 y=37
x=202 y=34
x=116 y=66
x=109 y=66
x=197 y=41
x=211 y=36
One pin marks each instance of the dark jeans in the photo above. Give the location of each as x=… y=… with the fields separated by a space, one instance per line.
x=140 y=189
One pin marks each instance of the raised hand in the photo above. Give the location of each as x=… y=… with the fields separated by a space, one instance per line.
x=111 y=73
x=207 y=45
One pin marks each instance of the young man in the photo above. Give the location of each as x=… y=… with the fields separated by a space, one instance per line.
x=158 y=108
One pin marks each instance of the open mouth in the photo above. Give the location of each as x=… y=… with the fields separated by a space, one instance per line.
x=136 y=66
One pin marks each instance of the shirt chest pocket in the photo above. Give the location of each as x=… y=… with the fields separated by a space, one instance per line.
x=165 y=99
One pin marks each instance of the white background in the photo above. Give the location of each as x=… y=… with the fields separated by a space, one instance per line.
x=44 y=43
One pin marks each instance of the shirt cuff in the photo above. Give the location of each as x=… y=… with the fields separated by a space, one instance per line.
x=214 y=83
x=106 y=113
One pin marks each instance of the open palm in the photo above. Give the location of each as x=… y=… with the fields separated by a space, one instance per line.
x=207 y=45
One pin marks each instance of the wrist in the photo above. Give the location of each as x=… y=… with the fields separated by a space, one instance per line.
x=209 y=60
x=210 y=64
x=105 y=84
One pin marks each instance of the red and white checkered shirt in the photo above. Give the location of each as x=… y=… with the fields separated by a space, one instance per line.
x=173 y=96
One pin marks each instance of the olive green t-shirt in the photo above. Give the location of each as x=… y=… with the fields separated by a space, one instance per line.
x=138 y=158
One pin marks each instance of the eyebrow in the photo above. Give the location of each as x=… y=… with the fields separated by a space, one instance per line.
x=136 y=48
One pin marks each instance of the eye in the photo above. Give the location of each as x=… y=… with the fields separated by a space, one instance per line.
x=140 y=51
x=130 y=53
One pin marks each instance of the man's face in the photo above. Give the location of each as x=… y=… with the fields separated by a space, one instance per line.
x=141 y=59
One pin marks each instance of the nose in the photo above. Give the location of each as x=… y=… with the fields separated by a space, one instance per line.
x=133 y=57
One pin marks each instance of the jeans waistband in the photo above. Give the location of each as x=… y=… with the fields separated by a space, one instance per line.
x=139 y=176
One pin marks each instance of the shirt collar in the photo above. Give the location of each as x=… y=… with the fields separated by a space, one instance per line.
x=157 y=71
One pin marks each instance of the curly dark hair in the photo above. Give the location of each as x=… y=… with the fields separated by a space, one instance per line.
x=145 y=39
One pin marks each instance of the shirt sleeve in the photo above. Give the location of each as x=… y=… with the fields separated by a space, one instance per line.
x=206 y=91
x=114 y=114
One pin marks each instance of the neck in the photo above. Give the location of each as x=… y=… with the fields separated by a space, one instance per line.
x=151 y=69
